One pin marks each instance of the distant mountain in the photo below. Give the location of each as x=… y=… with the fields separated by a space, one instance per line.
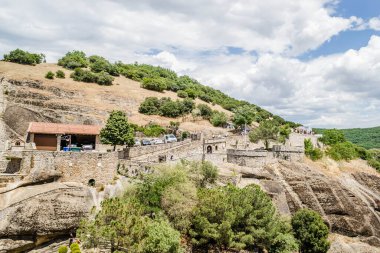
x=365 y=137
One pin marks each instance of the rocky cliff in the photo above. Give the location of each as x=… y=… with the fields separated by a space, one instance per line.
x=32 y=213
x=347 y=195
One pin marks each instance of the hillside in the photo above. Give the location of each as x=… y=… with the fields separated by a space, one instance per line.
x=366 y=137
x=29 y=96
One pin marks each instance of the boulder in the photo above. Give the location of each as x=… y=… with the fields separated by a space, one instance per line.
x=34 y=214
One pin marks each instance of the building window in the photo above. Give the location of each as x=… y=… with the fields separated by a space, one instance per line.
x=209 y=150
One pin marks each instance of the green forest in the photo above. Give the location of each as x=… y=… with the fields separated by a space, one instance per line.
x=368 y=138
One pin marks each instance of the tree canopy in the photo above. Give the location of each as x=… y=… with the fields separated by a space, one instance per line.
x=267 y=131
x=310 y=231
x=24 y=57
x=117 y=130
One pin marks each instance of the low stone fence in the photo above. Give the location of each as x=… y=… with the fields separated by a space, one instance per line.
x=260 y=157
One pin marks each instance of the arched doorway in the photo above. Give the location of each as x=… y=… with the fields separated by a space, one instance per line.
x=209 y=150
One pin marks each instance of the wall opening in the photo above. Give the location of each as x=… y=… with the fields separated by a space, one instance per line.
x=91 y=182
x=209 y=150
x=216 y=148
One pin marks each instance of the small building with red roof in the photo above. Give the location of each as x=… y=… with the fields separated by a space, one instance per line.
x=56 y=137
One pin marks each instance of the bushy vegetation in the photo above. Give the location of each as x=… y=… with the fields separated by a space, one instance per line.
x=99 y=64
x=332 y=136
x=156 y=84
x=150 y=130
x=181 y=205
x=24 y=57
x=117 y=130
x=310 y=231
x=74 y=248
x=49 y=75
x=182 y=94
x=368 y=138
x=60 y=74
x=73 y=60
x=312 y=152
x=205 y=111
x=82 y=75
x=165 y=79
x=341 y=149
x=63 y=249
x=218 y=119
x=166 y=107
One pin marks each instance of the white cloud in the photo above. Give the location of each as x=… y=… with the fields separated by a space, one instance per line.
x=192 y=37
x=374 y=23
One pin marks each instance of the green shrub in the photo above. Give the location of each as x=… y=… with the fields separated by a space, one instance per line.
x=205 y=111
x=103 y=78
x=172 y=109
x=99 y=64
x=310 y=231
x=343 y=151
x=191 y=93
x=374 y=163
x=313 y=153
x=363 y=153
x=63 y=249
x=24 y=57
x=332 y=136
x=73 y=60
x=60 y=74
x=82 y=75
x=161 y=237
x=185 y=135
x=182 y=94
x=74 y=248
x=218 y=119
x=153 y=130
x=156 y=84
x=49 y=75
x=166 y=107
x=150 y=106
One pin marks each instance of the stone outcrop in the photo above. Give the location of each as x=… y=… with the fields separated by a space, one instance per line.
x=349 y=202
x=32 y=213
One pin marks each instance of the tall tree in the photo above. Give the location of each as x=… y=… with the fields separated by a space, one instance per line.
x=267 y=131
x=117 y=130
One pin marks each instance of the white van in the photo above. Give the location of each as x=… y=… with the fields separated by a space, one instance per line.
x=170 y=138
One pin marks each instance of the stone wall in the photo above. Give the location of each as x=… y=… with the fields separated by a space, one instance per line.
x=73 y=166
x=260 y=157
x=250 y=158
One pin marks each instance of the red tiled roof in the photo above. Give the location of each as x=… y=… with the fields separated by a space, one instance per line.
x=54 y=128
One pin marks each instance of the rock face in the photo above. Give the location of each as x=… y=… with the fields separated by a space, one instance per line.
x=34 y=214
x=349 y=202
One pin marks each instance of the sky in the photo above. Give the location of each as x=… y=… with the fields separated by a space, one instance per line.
x=316 y=62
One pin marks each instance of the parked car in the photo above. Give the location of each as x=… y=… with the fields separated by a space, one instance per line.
x=137 y=143
x=87 y=147
x=170 y=138
x=157 y=141
x=146 y=142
